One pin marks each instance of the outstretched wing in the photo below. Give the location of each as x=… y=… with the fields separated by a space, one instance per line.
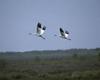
x=66 y=32
x=44 y=28
x=61 y=32
x=39 y=27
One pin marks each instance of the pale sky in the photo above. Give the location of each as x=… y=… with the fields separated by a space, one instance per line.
x=19 y=17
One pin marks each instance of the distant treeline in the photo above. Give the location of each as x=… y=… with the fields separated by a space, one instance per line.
x=49 y=53
x=56 y=51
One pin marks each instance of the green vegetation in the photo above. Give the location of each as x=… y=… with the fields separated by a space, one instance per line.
x=73 y=64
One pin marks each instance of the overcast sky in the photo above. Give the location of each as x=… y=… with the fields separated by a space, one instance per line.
x=19 y=17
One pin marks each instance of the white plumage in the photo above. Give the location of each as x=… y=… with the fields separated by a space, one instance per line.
x=64 y=34
x=40 y=30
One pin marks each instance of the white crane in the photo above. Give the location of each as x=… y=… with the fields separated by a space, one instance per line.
x=39 y=30
x=64 y=34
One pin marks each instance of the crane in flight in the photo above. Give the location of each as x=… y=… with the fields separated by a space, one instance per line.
x=39 y=30
x=63 y=34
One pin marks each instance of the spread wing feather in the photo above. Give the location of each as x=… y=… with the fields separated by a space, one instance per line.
x=61 y=32
x=66 y=32
x=38 y=27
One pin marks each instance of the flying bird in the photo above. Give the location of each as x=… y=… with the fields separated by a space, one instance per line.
x=39 y=30
x=64 y=34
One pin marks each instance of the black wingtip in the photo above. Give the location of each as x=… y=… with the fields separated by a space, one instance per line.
x=44 y=28
x=61 y=30
x=66 y=32
x=39 y=24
